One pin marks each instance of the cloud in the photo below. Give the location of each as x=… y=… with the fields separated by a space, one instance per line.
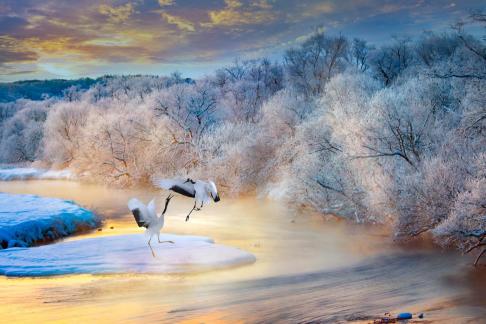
x=130 y=35
x=324 y=7
x=236 y=14
x=13 y=50
x=181 y=23
x=262 y=4
x=116 y=15
x=12 y=55
x=303 y=38
x=9 y=71
x=165 y=3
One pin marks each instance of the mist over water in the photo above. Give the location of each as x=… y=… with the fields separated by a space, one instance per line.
x=308 y=269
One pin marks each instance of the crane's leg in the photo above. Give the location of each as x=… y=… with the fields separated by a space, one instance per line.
x=158 y=237
x=150 y=246
x=187 y=217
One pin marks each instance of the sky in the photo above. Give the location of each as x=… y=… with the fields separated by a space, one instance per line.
x=45 y=39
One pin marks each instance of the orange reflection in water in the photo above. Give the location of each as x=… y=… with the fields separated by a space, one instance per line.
x=307 y=269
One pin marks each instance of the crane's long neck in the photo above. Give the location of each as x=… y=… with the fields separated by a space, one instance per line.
x=165 y=207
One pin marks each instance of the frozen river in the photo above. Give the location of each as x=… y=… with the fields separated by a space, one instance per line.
x=307 y=269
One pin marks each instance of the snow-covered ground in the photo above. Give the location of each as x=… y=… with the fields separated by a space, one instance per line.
x=121 y=254
x=25 y=219
x=7 y=174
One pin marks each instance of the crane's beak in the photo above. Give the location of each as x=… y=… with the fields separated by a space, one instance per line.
x=216 y=199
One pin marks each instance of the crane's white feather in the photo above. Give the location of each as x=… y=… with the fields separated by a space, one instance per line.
x=202 y=195
x=165 y=183
x=151 y=210
x=213 y=188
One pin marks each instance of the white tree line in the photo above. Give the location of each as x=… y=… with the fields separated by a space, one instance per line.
x=395 y=134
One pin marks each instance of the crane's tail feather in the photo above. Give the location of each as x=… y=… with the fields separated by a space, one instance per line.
x=135 y=203
x=138 y=218
x=136 y=207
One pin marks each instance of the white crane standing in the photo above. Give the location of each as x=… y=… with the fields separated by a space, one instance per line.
x=202 y=191
x=146 y=216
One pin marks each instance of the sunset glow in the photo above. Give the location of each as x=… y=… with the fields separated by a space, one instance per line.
x=243 y=161
x=70 y=39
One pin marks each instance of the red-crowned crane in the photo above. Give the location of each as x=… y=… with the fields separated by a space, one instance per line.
x=146 y=216
x=202 y=191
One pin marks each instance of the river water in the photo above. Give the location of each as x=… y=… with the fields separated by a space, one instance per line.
x=308 y=268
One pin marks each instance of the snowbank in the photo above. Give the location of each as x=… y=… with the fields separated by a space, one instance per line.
x=7 y=174
x=25 y=219
x=121 y=254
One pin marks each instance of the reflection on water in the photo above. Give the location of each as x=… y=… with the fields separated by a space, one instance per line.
x=307 y=269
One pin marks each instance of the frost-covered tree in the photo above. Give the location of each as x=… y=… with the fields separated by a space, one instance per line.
x=63 y=131
x=390 y=61
x=465 y=226
x=125 y=146
x=245 y=86
x=359 y=54
x=312 y=65
x=22 y=133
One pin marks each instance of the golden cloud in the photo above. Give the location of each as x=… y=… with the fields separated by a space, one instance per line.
x=325 y=7
x=263 y=4
x=99 y=49
x=234 y=14
x=57 y=45
x=164 y=3
x=13 y=50
x=181 y=23
x=116 y=15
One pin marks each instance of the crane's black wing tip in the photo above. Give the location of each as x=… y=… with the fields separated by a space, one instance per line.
x=138 y=218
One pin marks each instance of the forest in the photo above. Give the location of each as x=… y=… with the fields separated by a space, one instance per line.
x=392 y=134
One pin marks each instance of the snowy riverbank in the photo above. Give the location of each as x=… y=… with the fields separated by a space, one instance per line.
x=121 y=254
x=25 y=219
x=13 y=173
